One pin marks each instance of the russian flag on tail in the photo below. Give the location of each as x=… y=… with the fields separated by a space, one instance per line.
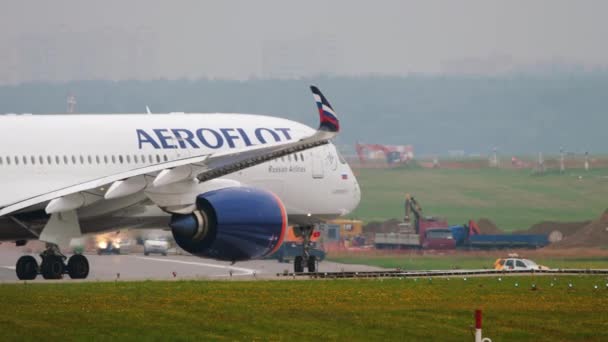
x=329 y=120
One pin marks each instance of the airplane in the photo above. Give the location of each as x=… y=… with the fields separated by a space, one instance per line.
x=226 y=185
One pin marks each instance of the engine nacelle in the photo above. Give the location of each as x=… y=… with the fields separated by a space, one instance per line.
x=233 y=224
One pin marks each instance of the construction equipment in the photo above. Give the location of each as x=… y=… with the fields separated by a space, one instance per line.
x=394 y=154
x=412 y=207
x=426 y=232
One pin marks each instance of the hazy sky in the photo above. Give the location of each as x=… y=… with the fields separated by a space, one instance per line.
x=226 y=39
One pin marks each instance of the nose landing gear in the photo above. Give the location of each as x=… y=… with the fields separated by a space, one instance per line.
x=305 y=260
x=52 y=266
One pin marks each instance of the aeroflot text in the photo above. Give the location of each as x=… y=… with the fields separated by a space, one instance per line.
x=164 y=138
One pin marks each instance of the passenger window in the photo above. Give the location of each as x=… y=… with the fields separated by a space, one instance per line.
x=65 y=160
x=128 y=159
x=1 y=161
x=8 y=160
x=135 y=158
x=24 y=160
x=113 y=159
x=519 y=263
x=165 y=157
x=295 y=156
x=120 y=158
x=90 y=159
x=41 y=159
x=97 y=159
x=81 y=159
x=74 y=160
x=150 y=159
x=16 y=160
x=49 y=160
x=157 y=158
x=301 y=156
x=33 y=159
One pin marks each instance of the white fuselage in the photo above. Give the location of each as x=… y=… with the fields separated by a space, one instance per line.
x=44 y=153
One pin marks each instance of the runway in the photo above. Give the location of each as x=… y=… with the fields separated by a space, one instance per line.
x=172 y=267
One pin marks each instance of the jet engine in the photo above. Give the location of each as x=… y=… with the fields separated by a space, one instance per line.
x=233 y=224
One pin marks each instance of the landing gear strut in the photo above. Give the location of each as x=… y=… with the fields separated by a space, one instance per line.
x=52 y=266
x=305 y=260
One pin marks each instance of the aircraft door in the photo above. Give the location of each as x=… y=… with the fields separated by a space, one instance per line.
x=317 y=162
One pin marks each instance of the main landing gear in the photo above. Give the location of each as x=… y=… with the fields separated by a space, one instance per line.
x=305 y=260
x=52 y=266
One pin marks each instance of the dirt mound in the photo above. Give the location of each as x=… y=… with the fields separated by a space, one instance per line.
x=387 y=226
x=487 y=227
x=594 y=234
x=547 y=227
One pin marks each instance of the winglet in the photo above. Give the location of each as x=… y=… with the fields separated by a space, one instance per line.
x=328 y=118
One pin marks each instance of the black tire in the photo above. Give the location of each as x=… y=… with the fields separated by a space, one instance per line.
x=312 y=264
x=26 y=268
x=298 y=264
x=146 y=253
x=78 y=266
x=164 y=254
x=52 y=267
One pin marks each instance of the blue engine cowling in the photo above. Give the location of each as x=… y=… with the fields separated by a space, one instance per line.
x=233 y=224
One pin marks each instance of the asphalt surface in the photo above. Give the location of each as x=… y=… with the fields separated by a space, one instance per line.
x=172 y=267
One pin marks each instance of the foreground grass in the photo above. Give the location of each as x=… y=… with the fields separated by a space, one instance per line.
x=414 y=262
x=437 y=309
x=513 y=199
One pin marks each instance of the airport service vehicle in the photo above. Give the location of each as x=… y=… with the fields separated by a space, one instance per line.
x=468 y=236
x=108 y=247
x=427 y=232
x=517 y=264
x=227 y=185
x=156 y=246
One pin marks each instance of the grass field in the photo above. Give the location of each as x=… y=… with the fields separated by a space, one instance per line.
x=513 y=199
x=440 y=309
x=474 y=261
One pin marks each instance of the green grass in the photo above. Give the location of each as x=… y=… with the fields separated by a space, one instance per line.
x=464 y=262
x=513 y=199
x=437 y=310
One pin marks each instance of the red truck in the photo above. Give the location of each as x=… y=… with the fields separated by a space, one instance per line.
x=432 y=234
x=427 y=232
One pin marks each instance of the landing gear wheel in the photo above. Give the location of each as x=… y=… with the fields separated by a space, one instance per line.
x=298 y=264
x=78 y=266
x=52 y=267
x=26 y=268
x=312 y=264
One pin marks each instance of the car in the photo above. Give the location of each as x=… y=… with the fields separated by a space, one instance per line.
x=159 y=246
x=517 y=264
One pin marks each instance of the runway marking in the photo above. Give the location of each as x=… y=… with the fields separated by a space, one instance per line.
x=9 y=267
x=246 y=271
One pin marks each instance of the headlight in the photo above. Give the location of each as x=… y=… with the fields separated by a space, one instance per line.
x=102 y=244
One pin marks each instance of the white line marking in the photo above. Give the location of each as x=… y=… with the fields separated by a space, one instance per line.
x=246 y=271
x=9 y=267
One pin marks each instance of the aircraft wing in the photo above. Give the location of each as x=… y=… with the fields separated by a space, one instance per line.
x=202 y=167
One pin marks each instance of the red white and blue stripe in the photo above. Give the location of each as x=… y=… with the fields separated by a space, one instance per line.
x=329 y=119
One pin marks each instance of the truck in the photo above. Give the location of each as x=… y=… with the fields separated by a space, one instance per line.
x=468 y=236
x=426 y=232
x=432 y=233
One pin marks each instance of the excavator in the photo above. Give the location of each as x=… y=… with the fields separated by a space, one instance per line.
x=412 y=207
